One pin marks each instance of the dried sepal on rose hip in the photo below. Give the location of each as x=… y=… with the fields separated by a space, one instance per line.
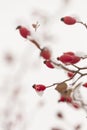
x=39 y=87
x=49 y=64
x=65 y=93
x=45 y=53
x=61 y=87
x=69 y=20
x=24 y=32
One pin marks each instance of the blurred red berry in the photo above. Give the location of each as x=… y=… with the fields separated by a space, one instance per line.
x=76 y=105
x=45 y=53
x=68 y=20
x=24 y=32
x=48 y=64
x=85 y=85
x=78 y=127
x=59 y=115
x=65 y=99
x=68 y=99
x=62 y=99
x=9 y=58
x=39 y=87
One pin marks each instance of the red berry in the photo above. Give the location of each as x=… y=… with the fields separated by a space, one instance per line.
x=39 y=87
x=24 y=32
x=69 y=58
x=75 y=60
x=66 y=58
x=48 y=64
x=45 y=53
x=70 y=74
x=68 y=20
x=85 y=85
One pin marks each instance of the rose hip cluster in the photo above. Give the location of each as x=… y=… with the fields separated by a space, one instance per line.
x=67 y=58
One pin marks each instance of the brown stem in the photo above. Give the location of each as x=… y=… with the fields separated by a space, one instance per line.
x=36 y=43
x=82 y=23
x=65 y=68
x=62 y=81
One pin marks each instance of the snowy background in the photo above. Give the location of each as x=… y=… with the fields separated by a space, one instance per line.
x=21 y=67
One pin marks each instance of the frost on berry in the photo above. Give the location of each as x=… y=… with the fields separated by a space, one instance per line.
x=68 y=20
x=45 y=53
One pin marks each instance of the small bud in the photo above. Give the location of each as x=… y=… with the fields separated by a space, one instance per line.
x=70 y=74
x=68 y=20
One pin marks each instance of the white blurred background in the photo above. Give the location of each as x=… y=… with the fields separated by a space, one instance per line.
x=21 y=66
